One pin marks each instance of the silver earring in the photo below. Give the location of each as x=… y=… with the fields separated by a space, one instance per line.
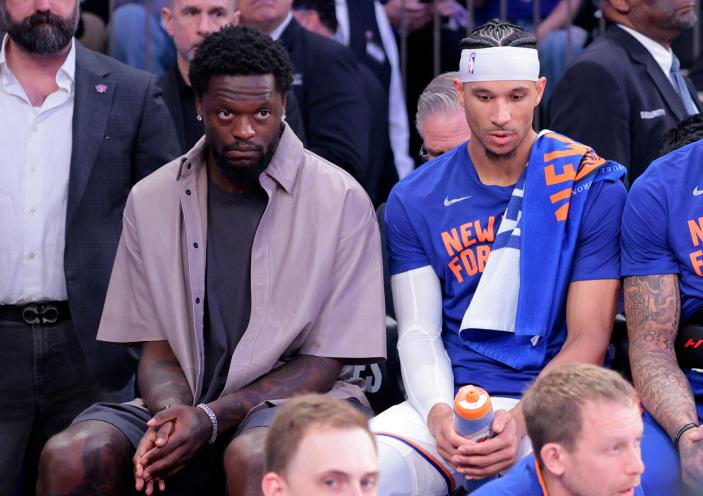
x=199 y=118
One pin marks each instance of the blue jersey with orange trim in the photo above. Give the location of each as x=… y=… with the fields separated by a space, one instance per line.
x=662 y=231
x=441 y=215
x=524 y=479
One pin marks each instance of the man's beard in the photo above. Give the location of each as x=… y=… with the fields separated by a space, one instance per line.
x=499 y=157
x=42 y=33
x=490 y=154
x=245 y=174
x=682 y=22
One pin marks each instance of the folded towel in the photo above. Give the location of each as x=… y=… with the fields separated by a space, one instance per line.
x=523 y=287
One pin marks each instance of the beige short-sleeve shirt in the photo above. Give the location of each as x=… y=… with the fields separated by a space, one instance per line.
x=316 y=273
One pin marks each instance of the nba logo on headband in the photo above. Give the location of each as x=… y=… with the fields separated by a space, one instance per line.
x=472 y=61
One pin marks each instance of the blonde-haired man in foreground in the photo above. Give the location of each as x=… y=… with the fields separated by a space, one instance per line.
x=320 y=445
x=585 y=425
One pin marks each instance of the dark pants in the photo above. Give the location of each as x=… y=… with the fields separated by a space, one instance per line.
x=44 y=383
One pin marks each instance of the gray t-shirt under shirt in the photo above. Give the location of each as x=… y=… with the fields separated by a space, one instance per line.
x=232 y=220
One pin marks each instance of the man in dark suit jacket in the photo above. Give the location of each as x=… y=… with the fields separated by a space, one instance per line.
x=616 y=96
x=319 y=16
x=326 y=83
x=118 y=139
x=84 y=129
x=364 y=27
x=187 y=23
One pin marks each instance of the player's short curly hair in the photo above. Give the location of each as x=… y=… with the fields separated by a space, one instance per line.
x=240 y=51
x=497 y=33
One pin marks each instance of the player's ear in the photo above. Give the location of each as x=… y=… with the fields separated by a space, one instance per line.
x=272 y=485
x=553 y=458
x=198 y=105
x=540 y=86
x=459 y=88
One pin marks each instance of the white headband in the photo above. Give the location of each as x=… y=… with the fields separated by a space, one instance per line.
x=499 y=64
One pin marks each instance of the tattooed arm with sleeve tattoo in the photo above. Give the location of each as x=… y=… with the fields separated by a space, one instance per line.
x=188 y=428
x=653 y=308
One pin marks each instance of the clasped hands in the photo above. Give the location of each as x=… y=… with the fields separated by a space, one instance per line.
x=173 y=437
x=472 y=459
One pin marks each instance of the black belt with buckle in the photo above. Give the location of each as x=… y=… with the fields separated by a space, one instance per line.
x=46 y=312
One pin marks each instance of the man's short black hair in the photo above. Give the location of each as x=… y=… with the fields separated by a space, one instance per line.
x=326 y=9
x=688 y=131
x=240 y=51
x=497 y=33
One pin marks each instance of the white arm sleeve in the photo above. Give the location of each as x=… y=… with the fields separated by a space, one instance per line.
x=427 y=371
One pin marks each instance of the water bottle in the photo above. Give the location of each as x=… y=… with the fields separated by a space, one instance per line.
x=473 y=417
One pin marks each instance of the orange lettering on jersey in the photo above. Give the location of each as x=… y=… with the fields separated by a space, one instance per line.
x=589 y=162
x=562 y=195
x=696 y=229
x=485 y=235
x=693 y=343
x=482 y=253
x=469 y=260
x=466 y=235
x=572 y=148
x=562 y=212
x=456 y=269
x=552 y=178
x=697 y=262
x=451 y=241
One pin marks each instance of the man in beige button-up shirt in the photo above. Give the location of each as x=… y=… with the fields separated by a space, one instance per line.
x=315 y=288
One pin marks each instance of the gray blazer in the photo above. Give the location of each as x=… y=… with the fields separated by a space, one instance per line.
x=122 y=132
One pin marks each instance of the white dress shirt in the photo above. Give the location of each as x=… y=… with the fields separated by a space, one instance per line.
x=276 y=33
x=397 y=111
x=34 y=168
x=662 y=55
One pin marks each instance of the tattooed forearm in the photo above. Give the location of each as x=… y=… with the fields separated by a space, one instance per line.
x=161 y=379
x=304 y=373
x=653 y=308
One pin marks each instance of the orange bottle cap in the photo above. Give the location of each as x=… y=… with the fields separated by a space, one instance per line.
x=472 y=402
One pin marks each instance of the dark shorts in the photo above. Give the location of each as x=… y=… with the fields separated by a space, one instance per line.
x=131 y=419
x=205 y=473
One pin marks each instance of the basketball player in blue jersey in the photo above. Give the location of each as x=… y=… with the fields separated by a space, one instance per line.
x=662 y=261
x=504 y=258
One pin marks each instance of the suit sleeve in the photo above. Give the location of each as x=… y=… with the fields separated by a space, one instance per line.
x=590 y=106
x=337 y=112
x=156 y=142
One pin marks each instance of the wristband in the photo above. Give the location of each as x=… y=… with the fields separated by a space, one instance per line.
x=213 y=418
x=680 y=432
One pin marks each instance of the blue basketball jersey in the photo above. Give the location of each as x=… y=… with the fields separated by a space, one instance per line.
x=443 y=216
x=662 y=231
x=524 y=479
